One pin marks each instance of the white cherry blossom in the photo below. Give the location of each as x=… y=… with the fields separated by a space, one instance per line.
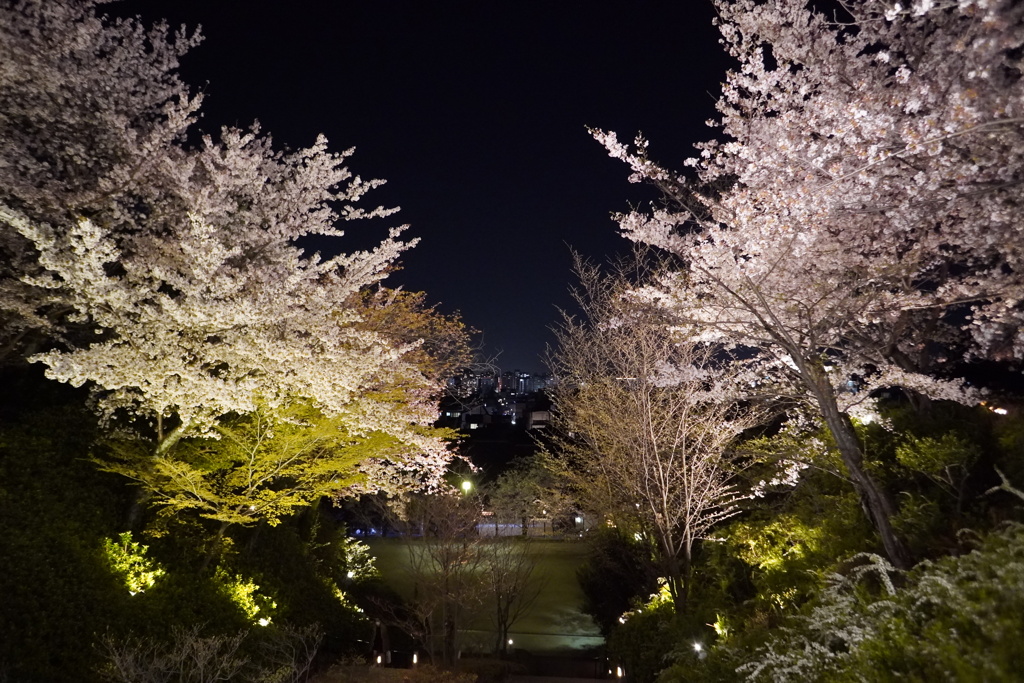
x=165 y=275
x=861 y=205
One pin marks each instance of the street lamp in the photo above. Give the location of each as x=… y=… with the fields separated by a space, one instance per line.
x=466 y=486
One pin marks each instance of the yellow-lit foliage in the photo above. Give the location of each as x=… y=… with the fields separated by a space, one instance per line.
x=946 y=459
x=343 y=600
x=788 y=551
x=127 y=559
x=258 y=608
x=264 y=465
x=662 y=598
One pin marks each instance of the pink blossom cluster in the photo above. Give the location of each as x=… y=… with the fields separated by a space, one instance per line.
x=861 y=204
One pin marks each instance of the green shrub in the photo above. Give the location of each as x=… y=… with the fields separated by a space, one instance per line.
x=955 y=619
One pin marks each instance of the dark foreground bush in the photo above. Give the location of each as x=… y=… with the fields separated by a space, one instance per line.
x=955 y=619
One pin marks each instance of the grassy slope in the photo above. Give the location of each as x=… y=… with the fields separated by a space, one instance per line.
x=553 y=622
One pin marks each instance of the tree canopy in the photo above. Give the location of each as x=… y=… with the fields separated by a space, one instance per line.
x=857 y=222
x=645 y=422
x=165 y=272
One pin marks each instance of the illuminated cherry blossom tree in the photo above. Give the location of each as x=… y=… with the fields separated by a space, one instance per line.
x=89 y=112
x=858 y=221
x=166 y=274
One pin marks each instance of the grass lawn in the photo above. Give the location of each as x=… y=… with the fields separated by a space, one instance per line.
x=553 y=623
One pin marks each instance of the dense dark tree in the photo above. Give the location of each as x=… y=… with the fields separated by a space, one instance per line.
x=617 y=571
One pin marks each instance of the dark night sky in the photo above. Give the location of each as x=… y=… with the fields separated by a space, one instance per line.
x=475 y=113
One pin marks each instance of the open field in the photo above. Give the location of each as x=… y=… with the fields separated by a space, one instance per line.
x=553 y=622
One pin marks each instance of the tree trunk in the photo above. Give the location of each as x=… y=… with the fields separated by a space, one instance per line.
x=164 y=443
x=687 y=571
x=215 y=548
x=502 y=644
x=167 y=442
x=139 y=501
x=450 y=655
x=676 y=580
x=874 y=498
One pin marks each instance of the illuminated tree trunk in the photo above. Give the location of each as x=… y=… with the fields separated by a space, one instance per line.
x=678 y=583
x=164 y=443
x=875 y=500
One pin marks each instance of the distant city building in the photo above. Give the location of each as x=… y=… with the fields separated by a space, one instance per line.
x=482 y=383
x=522 y=383
x=486 y=384
x=472 y=383
x=539 y=383
x=477 y=400
x=538 y=419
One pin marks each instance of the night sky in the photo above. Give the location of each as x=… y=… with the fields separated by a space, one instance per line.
x=476 y=114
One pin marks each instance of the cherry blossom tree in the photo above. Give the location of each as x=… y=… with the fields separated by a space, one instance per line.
x=265 y=464
x=644 y=424
x=89 y=111
x=858 y=220
x=442 y=342
x=176 y=265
